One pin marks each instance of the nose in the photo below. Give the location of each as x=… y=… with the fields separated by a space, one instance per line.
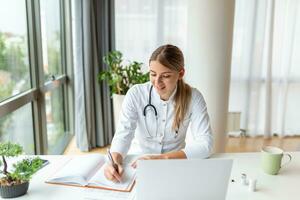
x=158 y=80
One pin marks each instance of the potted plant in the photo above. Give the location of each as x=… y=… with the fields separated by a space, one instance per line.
x=120 y=77
x=15 y=182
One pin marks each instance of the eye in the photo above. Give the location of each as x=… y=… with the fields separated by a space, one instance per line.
x=153 y=75
x=166 y=76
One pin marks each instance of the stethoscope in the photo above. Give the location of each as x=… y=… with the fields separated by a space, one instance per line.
x=152 y=107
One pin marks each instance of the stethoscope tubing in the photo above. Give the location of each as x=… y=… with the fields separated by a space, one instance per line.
x=150 y=105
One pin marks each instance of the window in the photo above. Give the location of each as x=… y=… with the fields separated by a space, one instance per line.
x=55 y=119
x=53 y=68
x=14 y=59
x=51 y=37
x=35 y=103
x=18 y=127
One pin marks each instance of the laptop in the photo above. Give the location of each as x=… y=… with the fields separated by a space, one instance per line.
x=201 y=179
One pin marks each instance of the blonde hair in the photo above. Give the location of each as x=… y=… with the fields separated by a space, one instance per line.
x=171 y=57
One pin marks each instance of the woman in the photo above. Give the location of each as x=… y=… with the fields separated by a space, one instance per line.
x=158 y=113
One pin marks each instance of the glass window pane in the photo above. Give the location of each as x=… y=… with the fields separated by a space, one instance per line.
x=51 y=37
x=18 y=127
x=14 y=59
x=55 y=121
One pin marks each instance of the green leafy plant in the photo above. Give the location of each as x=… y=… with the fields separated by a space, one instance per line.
x=121 y=77
x=22 y=170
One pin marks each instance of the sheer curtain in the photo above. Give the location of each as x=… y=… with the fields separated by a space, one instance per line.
x=265 y=73
x=143 y=25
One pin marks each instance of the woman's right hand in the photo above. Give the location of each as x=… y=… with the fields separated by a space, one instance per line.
x=110 y=172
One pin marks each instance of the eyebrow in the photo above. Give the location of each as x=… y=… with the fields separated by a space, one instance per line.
x=161 y=73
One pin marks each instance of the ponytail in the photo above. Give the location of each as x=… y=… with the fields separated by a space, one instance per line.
x=182 y=102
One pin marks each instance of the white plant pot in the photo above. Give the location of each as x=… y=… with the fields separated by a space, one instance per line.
x=117 y=104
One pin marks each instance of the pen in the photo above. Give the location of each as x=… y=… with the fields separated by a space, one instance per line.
x=112 y=161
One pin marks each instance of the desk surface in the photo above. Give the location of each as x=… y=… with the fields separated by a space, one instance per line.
x=285 y=185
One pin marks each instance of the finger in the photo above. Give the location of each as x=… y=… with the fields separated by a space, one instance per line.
x=134 y=164
x=115 y=180
x=106 y=171
x=115 y=174
x=117 y=177
x=106 y=174
x=109 y=176
x=120 y=170
x=110 y=173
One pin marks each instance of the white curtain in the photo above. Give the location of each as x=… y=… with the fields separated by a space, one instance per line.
x=265 y=73
x=143 y=25
x=81 y=132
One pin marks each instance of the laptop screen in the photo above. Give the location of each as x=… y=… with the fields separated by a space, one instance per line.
x=183 y=179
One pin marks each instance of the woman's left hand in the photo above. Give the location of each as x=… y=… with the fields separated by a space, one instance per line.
x=148 y=157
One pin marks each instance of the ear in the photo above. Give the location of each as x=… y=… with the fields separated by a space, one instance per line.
x=181 y=73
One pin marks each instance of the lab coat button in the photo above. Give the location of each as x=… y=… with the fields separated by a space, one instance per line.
x=163 y=120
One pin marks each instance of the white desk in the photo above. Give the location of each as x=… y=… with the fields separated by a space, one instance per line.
x=285 y=185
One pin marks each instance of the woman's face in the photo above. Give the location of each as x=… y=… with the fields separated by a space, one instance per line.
x=164 y=79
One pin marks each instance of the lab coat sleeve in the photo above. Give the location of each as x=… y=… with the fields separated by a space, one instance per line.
x=202 y=139
x=126 y=125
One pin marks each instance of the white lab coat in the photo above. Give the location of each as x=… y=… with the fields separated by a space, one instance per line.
x=132 y=125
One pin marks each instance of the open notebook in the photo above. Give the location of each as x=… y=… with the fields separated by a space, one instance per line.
x=88 y=171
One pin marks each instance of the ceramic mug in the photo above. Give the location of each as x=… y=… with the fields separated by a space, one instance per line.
x=271 y=159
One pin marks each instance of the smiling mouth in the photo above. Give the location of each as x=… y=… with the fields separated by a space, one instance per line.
x=160 y=88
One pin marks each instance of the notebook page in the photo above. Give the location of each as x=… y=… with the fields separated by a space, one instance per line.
x=128 y=178
x=78 y=169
